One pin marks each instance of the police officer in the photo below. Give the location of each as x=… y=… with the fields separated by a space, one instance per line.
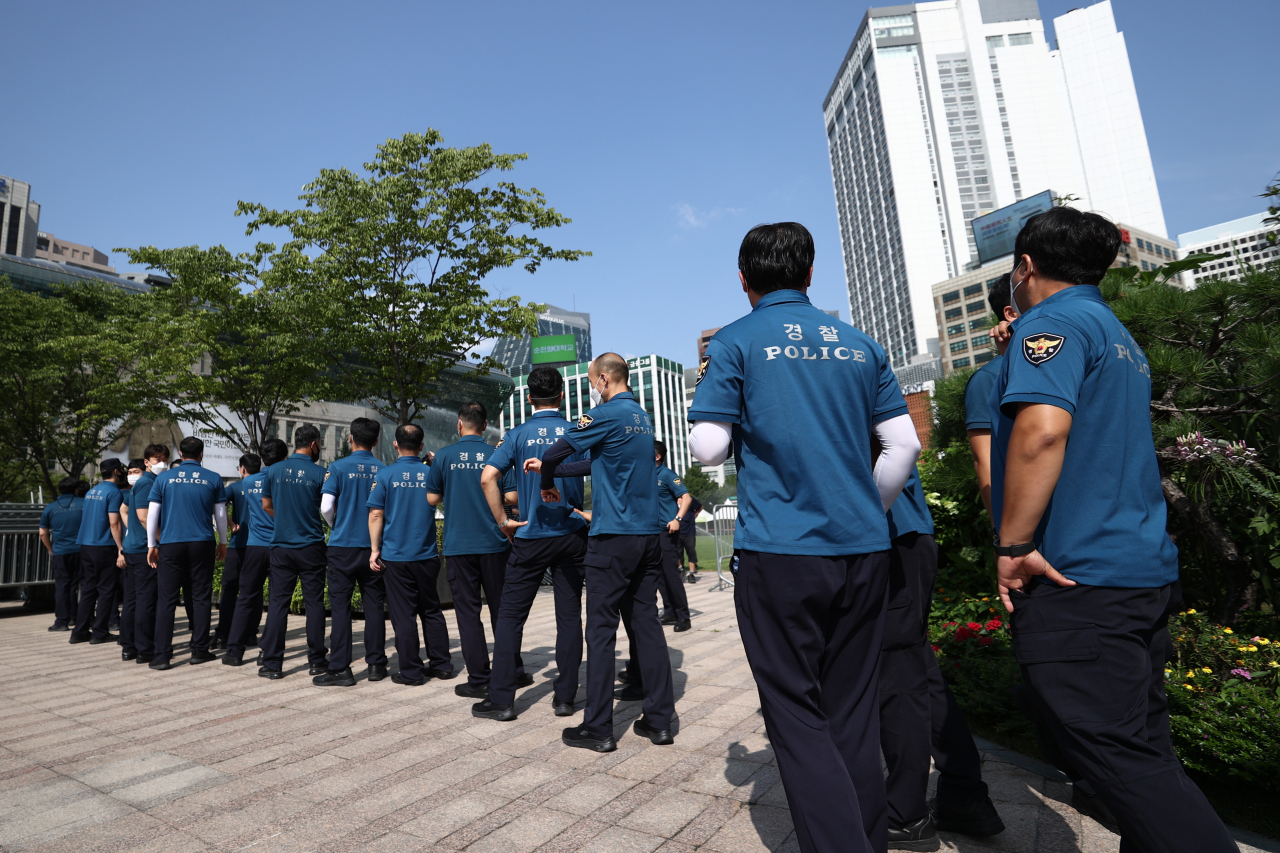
x=402 y=532
x=101 y=538
x=59 y=527
x=475 y=549
x=812 y=571
x=256 y=562
x=1085 y=564
x=673 y=505
x=183 y=547
x=343 y=502
x=689 y=539
x=977 y=391
x=155 y=461
x=624 y=559
x=291 y=496
x=135 y=548
x=238 y=501
x=551 y=536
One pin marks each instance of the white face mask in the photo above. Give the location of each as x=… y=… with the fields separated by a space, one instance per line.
x=1013 y=299
x=596 y=398
x=133 y=478
x=159 y=467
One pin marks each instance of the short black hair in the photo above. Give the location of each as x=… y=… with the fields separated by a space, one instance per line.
x=776 y=257
x=82 y=488
x=155 y=451
x=998 y=298
x=304 y=435
x=545 y=384
x=660 y=447
x=409 y=437
x=473 y=414
x=1069 y=245
x=251 y=462
x=274 y=450
x=67 y=485
x=138 y=464
x=191 y=447
x=108 y=467
x=365 y=432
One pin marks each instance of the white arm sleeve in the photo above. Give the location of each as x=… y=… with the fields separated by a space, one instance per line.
x=153 y=524
x=899 y=450
x=220 y=521
x=709 y=441
x=328 y=507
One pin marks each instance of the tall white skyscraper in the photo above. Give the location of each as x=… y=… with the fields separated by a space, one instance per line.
x=946 y=110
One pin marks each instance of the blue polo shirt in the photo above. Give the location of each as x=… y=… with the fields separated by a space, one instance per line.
x=95 y=524
x=469 y=527
x=530 y=440
x=624 y=482
x=977 y=394
x=62 y=519
x=239 y=500
x=669 y=489
x=262 y=527
x=409 y=520
x=910 y=513
x=294 y=488
x=803 y=392
x=138 y=497
x=350 y=480
x=1105 y=525
x=187 y=494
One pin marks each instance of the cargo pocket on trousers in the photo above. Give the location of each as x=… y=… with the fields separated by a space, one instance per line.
x=1065 y=667
x=902 y=628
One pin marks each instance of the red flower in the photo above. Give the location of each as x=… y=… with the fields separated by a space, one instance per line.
x=935 y=647
x=994 y=625
x=974 y=626
x=963 y=634
x=985 y=641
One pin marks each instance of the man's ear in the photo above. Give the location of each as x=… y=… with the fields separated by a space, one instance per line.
x=1010 y=314
x=742 y=278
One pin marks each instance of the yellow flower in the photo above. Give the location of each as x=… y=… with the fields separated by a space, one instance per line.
x=985 y=599
x=1191 y=611
x=1227 y=631
x=948 y=598
x=1240 y=662
x=1263 y=641
x=1273 y=664
x=1188 y=686
x=991 y=610
x=1206 y=669
x=1253 y=648
x=1191 y=673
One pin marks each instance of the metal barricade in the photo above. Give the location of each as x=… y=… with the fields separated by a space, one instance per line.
x=23 y=560
x=724 y=519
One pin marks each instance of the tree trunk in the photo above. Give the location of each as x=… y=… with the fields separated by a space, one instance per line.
x=1241 y=593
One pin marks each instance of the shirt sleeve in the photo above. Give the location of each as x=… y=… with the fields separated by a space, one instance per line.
x=266 y=486
x=157 y=492
x=141 y=495
x=677 y=487
x=378 y=494
x=977 y=400
x=220 y=493
x=435 y=477
x=44 y=516
x=331 y=479
x=589 y=432
x=502 y=457
x=718 y=394
x=114 y=499
x=1046 y=364
x=889 y=400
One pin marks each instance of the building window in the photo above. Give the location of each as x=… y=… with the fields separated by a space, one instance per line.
x=984 y=357
x=994 y=42
x=980 y=342
x=957 y=329
x=973 y=290
x=976 y=307
x=1016 y=39
x=948 y=298
x=960 y=362
x=980 y=323
x=960 y=346
x=954 y=313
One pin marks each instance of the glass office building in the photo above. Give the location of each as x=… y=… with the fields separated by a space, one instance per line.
x=516 y=353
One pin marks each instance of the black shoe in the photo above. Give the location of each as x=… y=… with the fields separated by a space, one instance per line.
x=976 y=817
x=319 y=668
x=443 y=674
x=400 y=679
x=343 y=678
x=216 y=644
x=490 y=711
x=630 y=693
x=562 y=709
x=201 y=656
x=377 y=672
x=76 y=638
x=626 y=677
x=145 y=658
x=683 y=625
x=525 y=680
x=273 y=674
x=56 y=627
x=693 y=577
x=128 y=655
x=660 y=737
x=471 y=691
x=921 y=835
x=258 y=659
x=668 y=618
x=1093 y=806
x=232 y=660
x=114 y=626
x=110 y=638
x=160 y=665
x=583 y=739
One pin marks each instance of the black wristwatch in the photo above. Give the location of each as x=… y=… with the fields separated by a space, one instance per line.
x=1015 y=550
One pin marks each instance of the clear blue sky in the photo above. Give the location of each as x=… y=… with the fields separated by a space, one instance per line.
x=665 y=130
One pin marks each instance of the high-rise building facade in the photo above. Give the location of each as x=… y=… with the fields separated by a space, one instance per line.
x=516 y=354
x=946 y=110
x=19 y=218
x=1244 y=242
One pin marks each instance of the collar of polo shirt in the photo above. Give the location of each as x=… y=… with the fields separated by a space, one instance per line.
x=780 y=296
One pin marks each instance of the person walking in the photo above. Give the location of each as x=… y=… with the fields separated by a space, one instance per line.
x=59 y=527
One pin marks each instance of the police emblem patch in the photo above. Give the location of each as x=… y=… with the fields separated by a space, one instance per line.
x=499 y=444
x=326 y=475
x=1039 y=349
x=585 y=421
x=702 y=370
x=677 y=482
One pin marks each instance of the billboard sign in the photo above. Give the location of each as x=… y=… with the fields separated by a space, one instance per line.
x=554 y=349
x=996 y=231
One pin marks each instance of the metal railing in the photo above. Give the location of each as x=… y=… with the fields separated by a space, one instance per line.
x=23 y=560
x=724 y=518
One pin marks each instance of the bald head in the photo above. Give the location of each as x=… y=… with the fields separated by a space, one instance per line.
x=614 y=366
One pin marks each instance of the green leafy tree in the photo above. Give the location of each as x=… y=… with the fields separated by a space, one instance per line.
x=700 y=485
x=394 y=290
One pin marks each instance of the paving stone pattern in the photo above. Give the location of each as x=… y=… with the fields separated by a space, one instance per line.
x=98 y=756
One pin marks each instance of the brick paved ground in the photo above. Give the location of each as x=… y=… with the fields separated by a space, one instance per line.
x=100 y=755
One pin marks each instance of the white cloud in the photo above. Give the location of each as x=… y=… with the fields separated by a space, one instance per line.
x=691 y=217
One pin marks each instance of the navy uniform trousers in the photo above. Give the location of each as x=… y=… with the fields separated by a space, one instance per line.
x=233 y=570
x=672 y=586
x=1093 y=658
x=128 y=606
x=289 y=566
x=529 y=560
x=811 y=627
x=412 y=594
x=349 y=567
x=66 y=588
x=621 y=579
x=143 y=578
x=919 y=717
x=468 y=575
x=98 y=574
x=184 y=565
x=252 y=572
